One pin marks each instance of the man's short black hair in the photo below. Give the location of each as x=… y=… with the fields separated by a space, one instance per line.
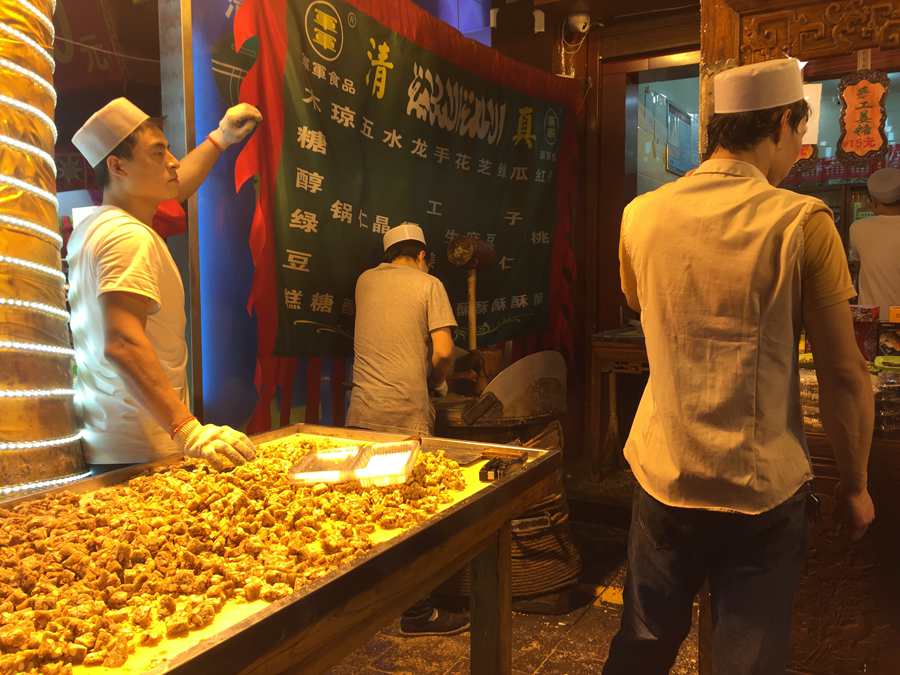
x=409 y=248
x=741 y=131
x=123 y=150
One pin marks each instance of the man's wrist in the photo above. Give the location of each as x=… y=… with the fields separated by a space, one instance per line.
x=217 y=138
x=179 y=426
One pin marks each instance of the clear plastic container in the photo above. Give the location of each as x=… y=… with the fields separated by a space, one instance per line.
x=371 y=464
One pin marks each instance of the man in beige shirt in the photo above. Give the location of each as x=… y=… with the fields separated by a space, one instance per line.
x=725 y=268
x=875 y=243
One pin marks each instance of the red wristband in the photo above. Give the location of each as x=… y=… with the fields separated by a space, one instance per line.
x=175 y=428
x=217 y=146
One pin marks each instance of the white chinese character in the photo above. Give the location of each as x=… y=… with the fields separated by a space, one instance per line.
x=462 y=309
x=540 y=176
x=292 y=298
x=518 y=302
x=481 y=307
x=342 y=211
x=485 y=166
x=540 y=237
x=501 y=170
x=538 y=299
x=506 y=263
x=450 y=235
x=441 y=153
x=420 y=148
x=308 y=139
x=392 y=139
x=490 y=237
x=312 y=98
x=432 y=260
x=519 y=173
x=306 y=62
x=362 y=218
x=334 y=79
x=463 y=161
x=297 y=260
x=322 y=302
x=381 y=225
x=306 y=221
x=347 y=309
x=513 y=217
x=310 y=181
x=343 y=115
x=319 y=70
x=474 y=235
x=348 y=86
x=434 y=208
x=367 y=127
x=499 y=305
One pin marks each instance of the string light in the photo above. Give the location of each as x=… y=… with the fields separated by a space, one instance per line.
x=48 y=443
x=37 y=267
x=36 y=191
x=57 y=392
x=34 y=77
x=31 y=150
x=22 y=224
x=31 y=110
x=16 y=33
x=39 y=15
x=37 y=485
x=35 y=306
x=16 y=346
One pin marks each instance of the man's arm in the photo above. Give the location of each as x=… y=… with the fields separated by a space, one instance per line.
x=129 y=351
x=441 y=356
x=846 y=404
x=238 y=123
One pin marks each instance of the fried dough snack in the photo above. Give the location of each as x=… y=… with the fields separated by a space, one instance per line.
x=86 y=579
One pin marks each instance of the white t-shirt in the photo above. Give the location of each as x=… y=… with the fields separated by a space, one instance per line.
x=112 y=251
x=875 y=242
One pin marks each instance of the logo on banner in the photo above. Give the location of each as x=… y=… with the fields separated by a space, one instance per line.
x=324 y=30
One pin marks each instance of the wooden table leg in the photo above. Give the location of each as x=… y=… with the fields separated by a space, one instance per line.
x=491 y=607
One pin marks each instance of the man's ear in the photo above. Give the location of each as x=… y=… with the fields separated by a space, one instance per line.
x=115 y=167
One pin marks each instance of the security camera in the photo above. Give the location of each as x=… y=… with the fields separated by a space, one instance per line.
x=580 y=23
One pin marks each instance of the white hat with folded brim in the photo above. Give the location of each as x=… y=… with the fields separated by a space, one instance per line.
x=403 y=232
x=106 y=128
x=759 y=86
x=884 y=186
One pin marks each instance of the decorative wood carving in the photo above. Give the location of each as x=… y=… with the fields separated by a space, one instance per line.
x=825 y=29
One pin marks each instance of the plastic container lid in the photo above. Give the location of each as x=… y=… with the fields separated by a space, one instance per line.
x=371 y=464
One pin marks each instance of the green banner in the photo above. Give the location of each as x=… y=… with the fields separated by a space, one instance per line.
x=379 y=131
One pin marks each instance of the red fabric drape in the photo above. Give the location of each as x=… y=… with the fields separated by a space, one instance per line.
x=263 y=87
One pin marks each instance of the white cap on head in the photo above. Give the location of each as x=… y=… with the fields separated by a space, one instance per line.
x=758 y=86
x=884 y=186
x=403 y=232
x=106 y=128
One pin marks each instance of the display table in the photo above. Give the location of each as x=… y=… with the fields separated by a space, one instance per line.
x=319 y=624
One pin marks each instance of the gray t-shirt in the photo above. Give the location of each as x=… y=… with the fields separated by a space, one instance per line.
x=397 y=307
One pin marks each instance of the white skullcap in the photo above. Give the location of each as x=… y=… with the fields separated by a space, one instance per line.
x=106 y=128
x=758 y=86
x=884 y=186
x=403 y=232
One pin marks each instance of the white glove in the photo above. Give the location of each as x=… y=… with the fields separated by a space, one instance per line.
x=238 y=123
x=441 y=390
x=223 y=447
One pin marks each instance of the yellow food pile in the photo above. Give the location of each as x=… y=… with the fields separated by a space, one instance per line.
x=84 y=580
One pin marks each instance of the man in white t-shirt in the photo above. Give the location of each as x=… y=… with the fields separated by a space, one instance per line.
x=875 y=243
x=127 y=298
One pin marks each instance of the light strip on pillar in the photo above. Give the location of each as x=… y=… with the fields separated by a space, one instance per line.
x=37 y=267
x=36 y=191
x=30 y=149
x=19 y=35
x=37 y=485
x=34 y=77
x=35 y=307
x=31 y=110
x=23 y=224
x=33 y=445
x=58 y=392
x=15 y=346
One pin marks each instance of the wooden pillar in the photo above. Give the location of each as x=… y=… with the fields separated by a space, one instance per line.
x=38 y=428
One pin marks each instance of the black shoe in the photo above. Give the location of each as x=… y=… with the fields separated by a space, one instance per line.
x=439 y=622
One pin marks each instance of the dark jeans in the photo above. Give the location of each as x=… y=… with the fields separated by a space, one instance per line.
x=753 y=566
